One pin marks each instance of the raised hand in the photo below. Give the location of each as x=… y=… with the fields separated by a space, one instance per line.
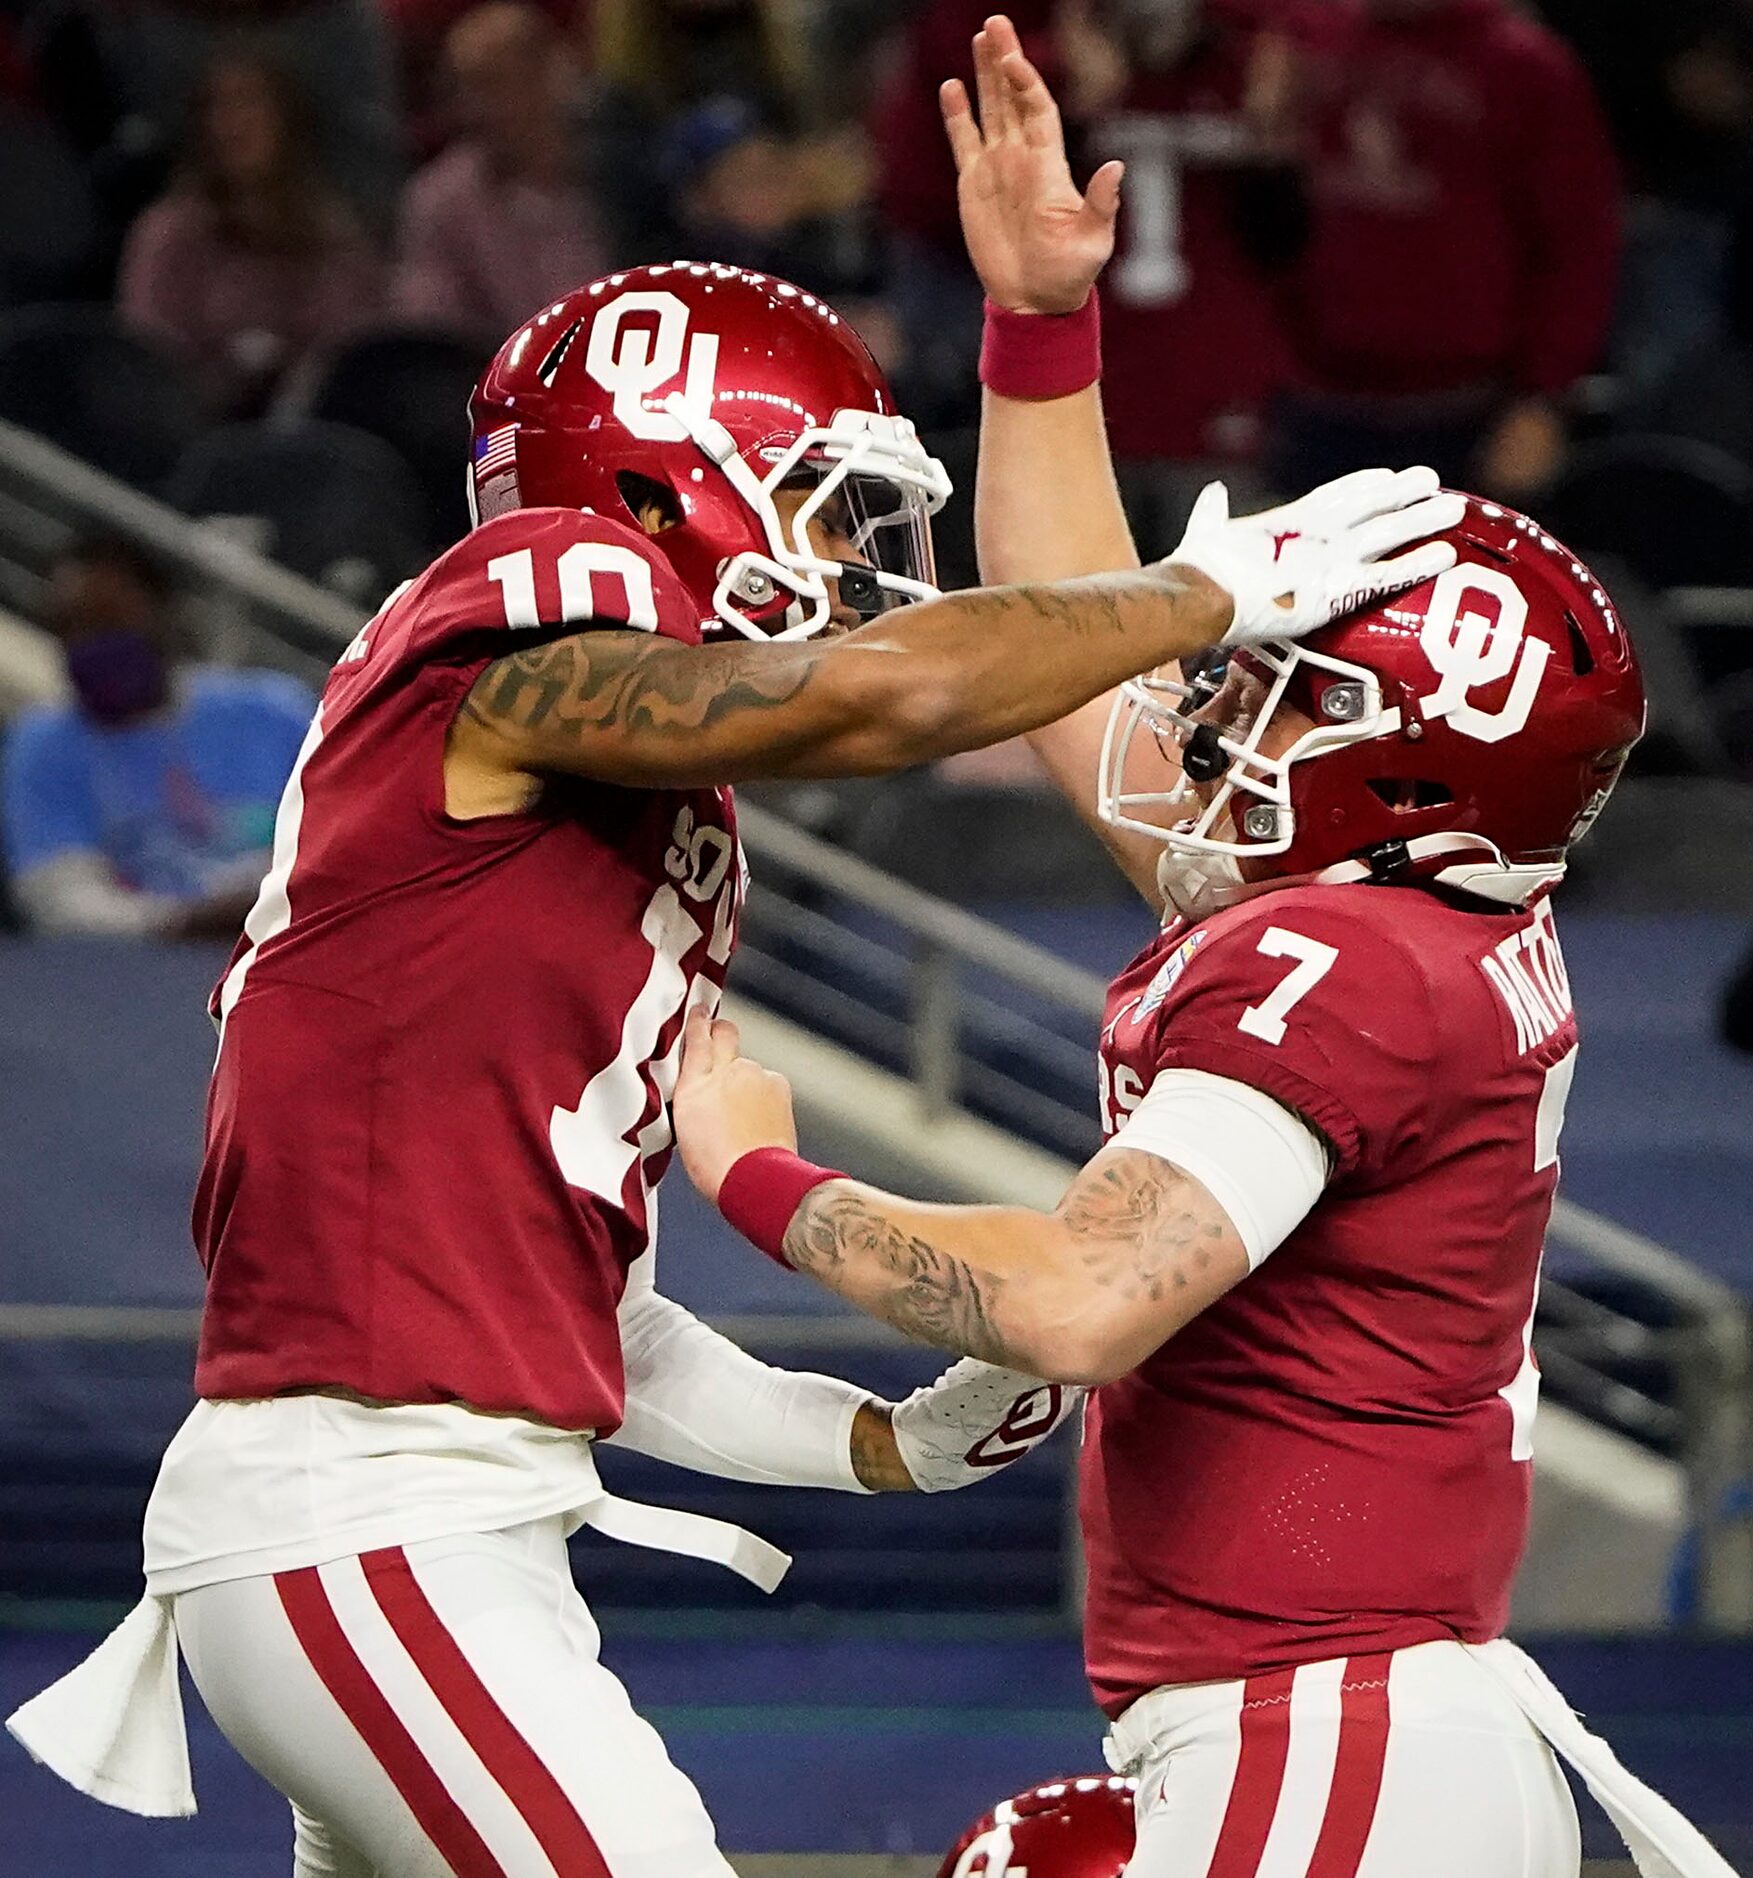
x=1036 y=241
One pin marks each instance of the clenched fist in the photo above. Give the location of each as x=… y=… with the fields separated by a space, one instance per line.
x=726 y=1105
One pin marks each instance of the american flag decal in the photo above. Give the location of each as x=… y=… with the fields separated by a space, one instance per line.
x=496 y=452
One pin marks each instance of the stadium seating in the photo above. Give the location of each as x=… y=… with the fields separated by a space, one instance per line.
x=1680 y=513
x=335 y=504
x=75 y=375
x=49 y=227
x=410 y=388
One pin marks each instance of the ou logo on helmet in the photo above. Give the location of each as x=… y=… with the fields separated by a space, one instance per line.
x=988 y=1855
x=1468 y=648
x=633 y=362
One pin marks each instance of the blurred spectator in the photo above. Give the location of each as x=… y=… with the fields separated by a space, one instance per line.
x=1694 y=184
x=120 y=75
x=668 y=54
x=51 y=239
x=1461 y=261
x=745 y=193
x=251 y=264
x=508 y=217
x=146 y=804
x=1191 y=344
x=1191 y=341
x=932 y=290
x=422 y=30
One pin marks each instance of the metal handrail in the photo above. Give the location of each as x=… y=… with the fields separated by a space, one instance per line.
x=1709 y=606
x=188 y=545
x=951 y=928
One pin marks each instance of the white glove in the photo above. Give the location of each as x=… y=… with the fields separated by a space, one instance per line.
x=975 y=1419
x=1295 y=568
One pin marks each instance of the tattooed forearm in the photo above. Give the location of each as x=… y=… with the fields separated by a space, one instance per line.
x=597 y=681
x=897 y=1275
x=1135 y=1251
x=919 y=683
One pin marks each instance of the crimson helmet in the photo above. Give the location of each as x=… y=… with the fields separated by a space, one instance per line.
x=717 y=385
x=1467 y=731
x=1080 y=1828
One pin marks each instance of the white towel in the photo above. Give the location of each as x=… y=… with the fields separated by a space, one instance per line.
x=693 y=1535
x=113 y=1727
x=1662 y=1841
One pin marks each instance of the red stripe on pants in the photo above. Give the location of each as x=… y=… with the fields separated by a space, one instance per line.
x=1357 y=1769
x=528 y=1782
x=346 y=1678
x=1259 y=1777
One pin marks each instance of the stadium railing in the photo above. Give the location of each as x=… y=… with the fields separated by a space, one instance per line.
x=980 y=1024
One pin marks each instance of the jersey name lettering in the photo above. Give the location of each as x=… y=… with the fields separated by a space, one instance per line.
x=1527 y=972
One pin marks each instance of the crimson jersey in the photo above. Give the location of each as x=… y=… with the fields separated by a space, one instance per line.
x=1333 y=1459
x=441 y=1098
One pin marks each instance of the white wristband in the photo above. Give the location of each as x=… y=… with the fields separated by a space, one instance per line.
x=975 y=1419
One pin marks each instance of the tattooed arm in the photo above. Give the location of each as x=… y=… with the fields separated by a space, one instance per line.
x=920 y=683
x=1135 y=1250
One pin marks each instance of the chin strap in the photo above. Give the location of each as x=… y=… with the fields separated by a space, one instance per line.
x=1473 y=865
x=1198 y=885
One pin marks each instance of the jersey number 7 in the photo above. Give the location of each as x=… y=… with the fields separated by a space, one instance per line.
x=1265 y=1020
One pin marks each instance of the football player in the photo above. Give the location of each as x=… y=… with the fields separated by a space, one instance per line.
x=1299 y=1280
x=504 y=871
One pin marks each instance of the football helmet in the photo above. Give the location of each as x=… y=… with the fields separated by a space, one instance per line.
x=716 y=386
x=1080 y=1828
x=1467 y=731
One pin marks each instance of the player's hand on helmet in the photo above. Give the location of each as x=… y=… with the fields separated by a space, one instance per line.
x=1037 y=241
x=1297 y=567
x=726 y=1105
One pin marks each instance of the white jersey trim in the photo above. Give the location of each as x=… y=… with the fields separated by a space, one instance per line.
x=272 y=912
x=1263 y=1165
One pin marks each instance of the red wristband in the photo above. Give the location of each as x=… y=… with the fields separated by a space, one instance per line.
x=762 y=1192
x=1041 y=355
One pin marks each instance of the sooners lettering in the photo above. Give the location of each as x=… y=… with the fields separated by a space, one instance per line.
x=594 y=1142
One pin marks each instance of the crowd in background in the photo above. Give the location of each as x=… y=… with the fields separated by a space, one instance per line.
x=1354 y=228
x=1479 y=233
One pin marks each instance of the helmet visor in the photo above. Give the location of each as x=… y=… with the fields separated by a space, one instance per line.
x=868 y=533
x=846 y=512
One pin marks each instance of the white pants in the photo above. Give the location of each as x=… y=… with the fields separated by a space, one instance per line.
x=438 y=1711
x=1414 y=1765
